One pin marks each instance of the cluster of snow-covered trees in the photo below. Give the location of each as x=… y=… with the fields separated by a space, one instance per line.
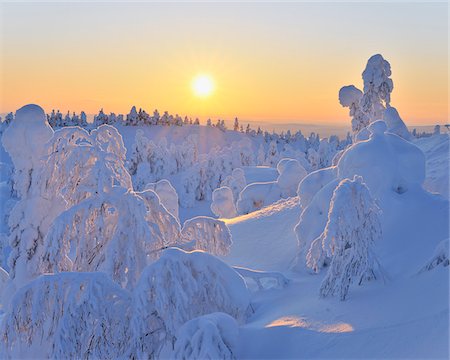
x=201 y=174
x=374 y=102
x=95 y=268
x=341 y=222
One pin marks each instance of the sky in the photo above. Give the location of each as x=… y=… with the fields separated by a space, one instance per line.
x=281 y=62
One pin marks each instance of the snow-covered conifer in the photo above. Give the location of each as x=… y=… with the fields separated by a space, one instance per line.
x=377 y=87
x=236 y=124
x=67 y=315
x=181 y=286
x=207 y=234
x=223 y=203
x=352 y=229
x=212 y=336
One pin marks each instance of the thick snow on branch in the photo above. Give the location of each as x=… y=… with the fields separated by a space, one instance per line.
x=212 y=336
x=69 y=315
x=179 y=287
x=207 y=234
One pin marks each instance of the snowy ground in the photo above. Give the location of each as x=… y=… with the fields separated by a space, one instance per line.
x=378 y=321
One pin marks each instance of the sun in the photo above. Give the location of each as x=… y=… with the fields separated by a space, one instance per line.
x=203 y=85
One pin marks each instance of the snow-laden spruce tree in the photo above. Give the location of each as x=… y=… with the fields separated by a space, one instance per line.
x=352 y=229
x=167 y=226
x=178 y=287
x=212 y=336
x=207 y=234
x=68 y=315
x=108 y=232
x=223 y=203
x=377 y=87
x=78 y=163
x=236 y=182
x=167 y=195
x=350 y=96
x=25 y=139
x=290 y=174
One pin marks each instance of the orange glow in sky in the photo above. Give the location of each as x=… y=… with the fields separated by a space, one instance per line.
x=266 y=61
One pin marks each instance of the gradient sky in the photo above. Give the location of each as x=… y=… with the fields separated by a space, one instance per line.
x=270 y=61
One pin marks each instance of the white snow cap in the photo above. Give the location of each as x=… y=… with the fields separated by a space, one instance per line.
x=349 y=95
x=291 y=173
x=385 y=161
x=376 y=72
x=25 y=139
x=223 y=203
x=395 y=124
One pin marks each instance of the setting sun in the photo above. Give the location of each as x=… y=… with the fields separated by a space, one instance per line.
x=202 y=85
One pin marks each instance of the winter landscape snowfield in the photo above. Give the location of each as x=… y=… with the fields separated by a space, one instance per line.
x=155 y=236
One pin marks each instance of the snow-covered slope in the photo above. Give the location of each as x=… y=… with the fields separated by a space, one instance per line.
x=404 y=315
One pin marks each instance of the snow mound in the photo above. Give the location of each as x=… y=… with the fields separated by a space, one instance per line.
x=385 y=161
x=313 y=182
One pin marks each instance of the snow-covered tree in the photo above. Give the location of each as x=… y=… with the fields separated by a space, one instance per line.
x=352 y=229
x=223 y=203
x=439 y=258
x=132 y=117
x=236 y=182
x=261 y=157
x=273 y=156
x=212 y=336
x=437 y=130
x=377 y=87
x=181 y=286
x=69 y=315
x=107 y=232
x=83 y=119
x=167 y=226
x=9 y=118
x=25 y=140
x=236 y=124
x=290 y=174
x=167 y=195
x=350 y=96
x=207 y=234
